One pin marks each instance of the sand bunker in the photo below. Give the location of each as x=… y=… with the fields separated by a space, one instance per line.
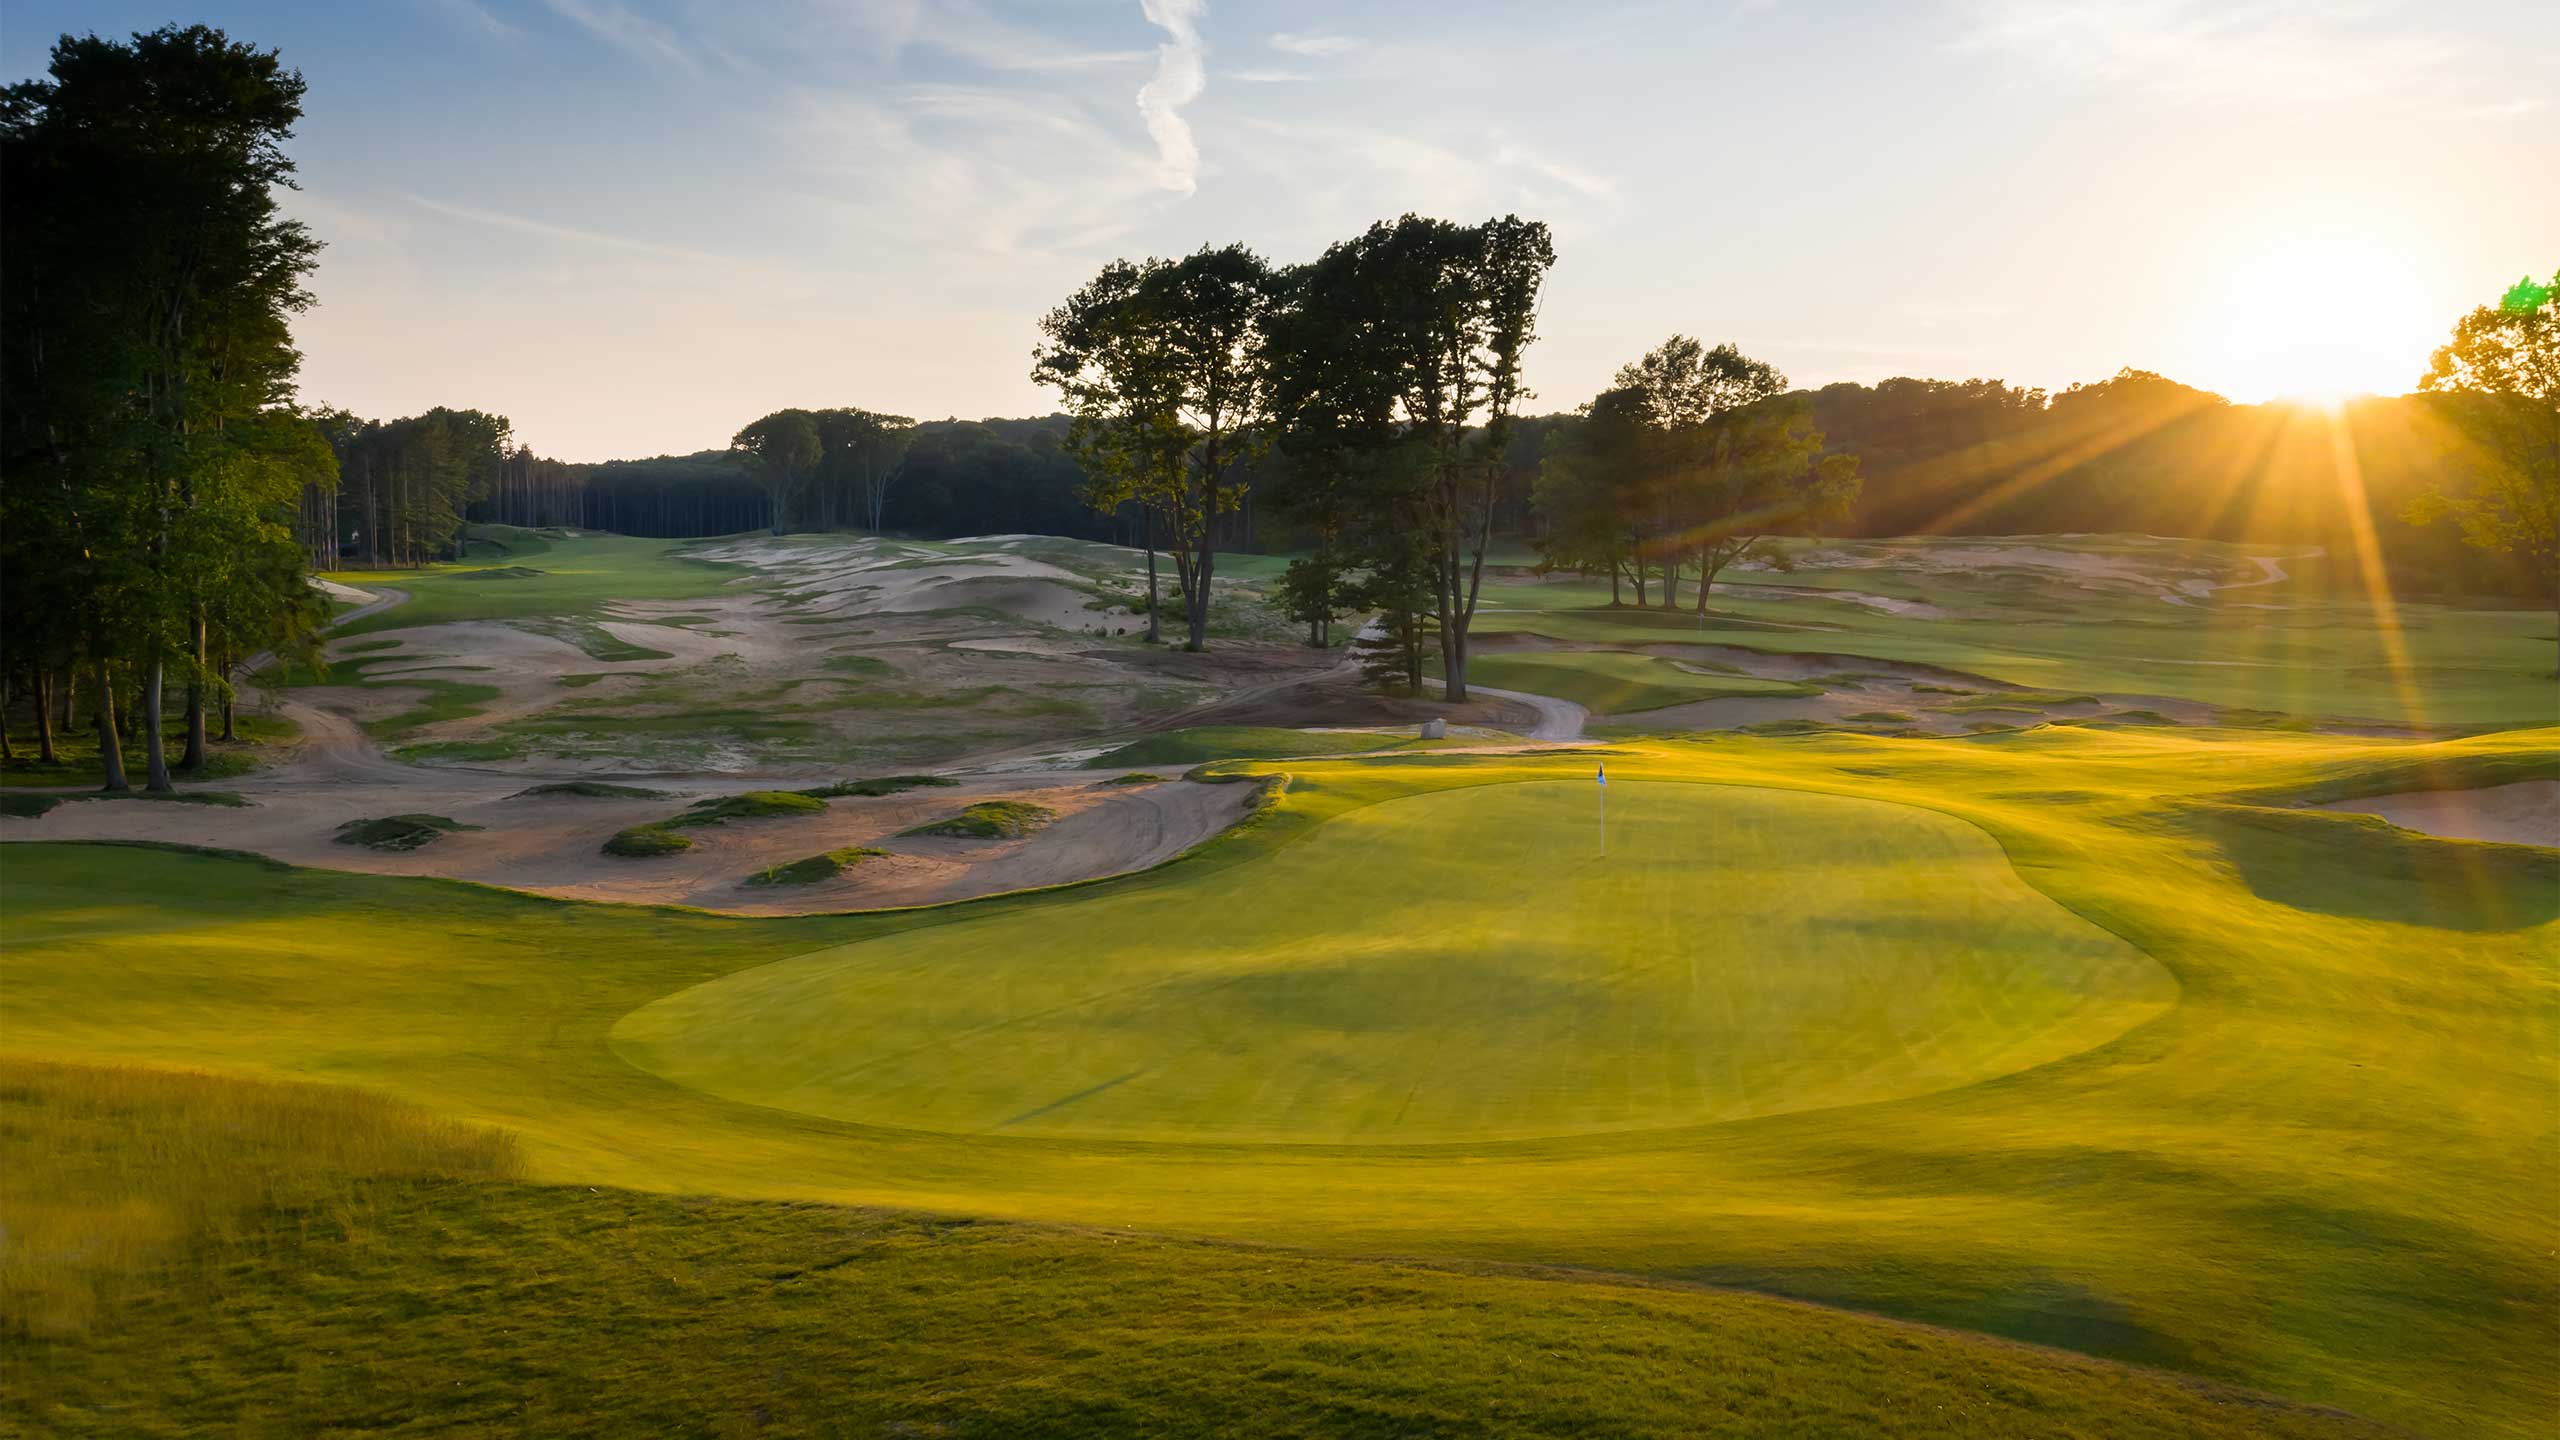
x=2525 y=813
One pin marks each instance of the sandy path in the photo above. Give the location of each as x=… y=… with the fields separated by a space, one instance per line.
x=2525 y=813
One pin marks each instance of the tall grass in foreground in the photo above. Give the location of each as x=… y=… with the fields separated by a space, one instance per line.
x=109 y=1174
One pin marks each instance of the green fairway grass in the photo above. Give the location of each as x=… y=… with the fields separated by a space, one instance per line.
x=1746 y=952
x=1615 y=682
x=303 y=1251
x=2327 y=654
x=574 y=578
x=2322 y=1170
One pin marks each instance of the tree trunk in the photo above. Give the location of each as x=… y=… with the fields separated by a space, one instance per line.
x=1671 y=583
x=44 y=715
x=1640 y=600
x=229 y=693
x=1614 y=568
x=5 y=688
x=1155 y=626
x=194 y=758
x=110 y=748
x=155 y=753
x=1195 y=599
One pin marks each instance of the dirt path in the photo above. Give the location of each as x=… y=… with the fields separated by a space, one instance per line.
x=1557 y=719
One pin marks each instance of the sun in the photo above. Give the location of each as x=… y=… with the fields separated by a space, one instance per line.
x=2315 y=317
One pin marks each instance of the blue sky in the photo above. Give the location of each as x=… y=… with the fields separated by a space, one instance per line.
x=633 y=225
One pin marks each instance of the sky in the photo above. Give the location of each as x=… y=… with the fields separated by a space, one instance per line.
x=632 y=226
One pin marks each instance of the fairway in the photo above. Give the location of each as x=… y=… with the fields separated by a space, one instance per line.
x=1461 y=965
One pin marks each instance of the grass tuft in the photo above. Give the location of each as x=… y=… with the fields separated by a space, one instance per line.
x=881 y=785
x=591 y=790
x=398 y=832
x=990 y=820
x=642 y=842
x=748 y=805
x=826 y=866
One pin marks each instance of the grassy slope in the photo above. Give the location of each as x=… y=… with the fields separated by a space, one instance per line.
x=1202 y=743
x=1613 y=682
x=299 y=1257
x=2335 y=656
x=1368 y=989
x=2325 y=1172
x=578 y=578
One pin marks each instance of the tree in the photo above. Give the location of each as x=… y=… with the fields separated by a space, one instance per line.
x=1586 y=493
x=783 y=450
x=1763 y=473
x=2498 y=382
x=149 y=290
x=867 y=449
x=1101 y=351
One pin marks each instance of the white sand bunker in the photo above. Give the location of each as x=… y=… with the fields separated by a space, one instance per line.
x=2525 y=813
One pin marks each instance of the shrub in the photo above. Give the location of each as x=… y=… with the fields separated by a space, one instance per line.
x=815 y=868
x=398 y=832
x=641 y=842
x=1879 y=717
x=990 y=820
x=1134 y=777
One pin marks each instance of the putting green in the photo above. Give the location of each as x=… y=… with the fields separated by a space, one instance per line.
x=1460 y=965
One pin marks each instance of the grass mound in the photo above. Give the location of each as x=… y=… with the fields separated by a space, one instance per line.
x=2363 y=867
x=398 y=832
x=1134 y=777
x=590 y=790
x=1616 y=682
x=178 y=1239
x=641 y=842
x=810 y=871
x=748 y=805
x=881 y=785
x=990 y=820
x=28 y=805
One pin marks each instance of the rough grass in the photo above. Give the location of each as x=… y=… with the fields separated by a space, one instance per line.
x=580 y=579
x=748 y=805
x=591 y=790
x=641 y=842
x=876 y=786
x=1239 y=742
x=815 y=868
x=1610 y=682
x=76 y=766
x=989 y=820
x=1134 y=777
x=398 y=832
x=2319 y=1173
x=207 y=1256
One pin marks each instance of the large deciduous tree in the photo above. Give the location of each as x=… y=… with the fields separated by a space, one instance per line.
x=2498 y=381
x=149 y=285
x=783 y=450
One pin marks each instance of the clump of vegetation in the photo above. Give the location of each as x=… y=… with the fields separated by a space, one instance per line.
x=748 y=805
x=1944 y=690
x=880 y=785
x=2018 y=700
x=1784 y=727
x=810 y=871
x=1879 y=717
x=398 y=832
x=859 y=665
x=591 y=790
x=2246 y=719
x=990 y=820
x=1134 y=777
x=642 y=842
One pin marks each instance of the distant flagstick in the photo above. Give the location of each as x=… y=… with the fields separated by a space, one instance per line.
x=1604 y=807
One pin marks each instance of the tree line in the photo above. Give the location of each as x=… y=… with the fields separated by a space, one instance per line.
x=153 y=459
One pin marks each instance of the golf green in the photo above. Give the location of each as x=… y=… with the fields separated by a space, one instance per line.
x=1461 y=965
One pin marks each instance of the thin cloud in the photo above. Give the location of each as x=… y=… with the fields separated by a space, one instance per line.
x=1267 y=77
x=471 y=15
x=566 y=234
x=617 y=26
x=2268 y=51
x=1180 y=77
x=1314 y=47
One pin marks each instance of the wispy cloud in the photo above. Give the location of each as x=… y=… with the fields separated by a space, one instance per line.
x=1313 y=46
x=568 y=234
x=473 y=16
x=1180 y=77
x=618 y=26
x=2279 y=51
x=2508 y=109
x=1254 y=76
